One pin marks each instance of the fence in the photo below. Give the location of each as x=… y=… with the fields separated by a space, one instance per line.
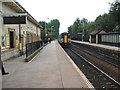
x=45 y=41
x=32 y=47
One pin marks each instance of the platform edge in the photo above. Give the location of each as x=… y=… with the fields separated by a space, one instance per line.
x=80 y=72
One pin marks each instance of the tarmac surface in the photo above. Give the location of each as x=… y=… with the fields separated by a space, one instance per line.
x=50 y=68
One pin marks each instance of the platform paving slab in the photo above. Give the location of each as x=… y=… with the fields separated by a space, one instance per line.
x=50 y=68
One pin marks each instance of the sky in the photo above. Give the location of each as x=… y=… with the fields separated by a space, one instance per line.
x=66 y=11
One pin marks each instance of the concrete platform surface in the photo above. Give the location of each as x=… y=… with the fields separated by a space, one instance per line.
x=50 y=68
x=0 y=80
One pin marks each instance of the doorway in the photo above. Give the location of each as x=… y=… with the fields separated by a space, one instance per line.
x=11 y=39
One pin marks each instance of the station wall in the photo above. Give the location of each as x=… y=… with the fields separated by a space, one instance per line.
x=9 y=34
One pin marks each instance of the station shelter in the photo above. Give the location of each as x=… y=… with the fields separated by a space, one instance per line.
x=95 y=37
x=110 y=38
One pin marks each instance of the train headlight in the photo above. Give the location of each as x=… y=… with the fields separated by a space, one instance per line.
x=68 y=40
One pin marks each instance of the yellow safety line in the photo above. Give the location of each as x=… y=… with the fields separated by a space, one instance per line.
x=12 y=62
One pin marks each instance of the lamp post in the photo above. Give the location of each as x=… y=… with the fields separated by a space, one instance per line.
x=83 y=31
x=45 y=28
x=51 y=29
x=46 y=35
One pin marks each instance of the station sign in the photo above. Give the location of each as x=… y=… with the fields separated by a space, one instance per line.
x=14 y=20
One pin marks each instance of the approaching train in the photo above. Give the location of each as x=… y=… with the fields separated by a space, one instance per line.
x=64 y=39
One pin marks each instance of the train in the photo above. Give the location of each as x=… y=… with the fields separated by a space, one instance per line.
x=64 y=39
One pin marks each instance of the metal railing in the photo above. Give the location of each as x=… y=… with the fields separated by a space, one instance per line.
x=45 y=41
x=32 y=47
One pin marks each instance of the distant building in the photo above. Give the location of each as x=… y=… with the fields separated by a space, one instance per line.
x=94 y=37
x=10 y=34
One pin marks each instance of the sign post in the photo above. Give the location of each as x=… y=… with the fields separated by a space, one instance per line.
x=20 y=42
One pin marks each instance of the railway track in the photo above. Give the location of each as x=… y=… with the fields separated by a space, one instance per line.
x=105 y=64
x=109 y=59
x=99 y=77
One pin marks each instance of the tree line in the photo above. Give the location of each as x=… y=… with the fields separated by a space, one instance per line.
x=109 y=22
x=50 y=29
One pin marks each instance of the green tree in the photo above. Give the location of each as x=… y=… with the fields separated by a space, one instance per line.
x=42 y=23
x=76 y=29
x=114 y=13
x=103 y=22
x=70 y=30
x=52 y=28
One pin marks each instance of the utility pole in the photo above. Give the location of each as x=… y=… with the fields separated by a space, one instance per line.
x=83 y=31
x=45 y=29
x=51 y=29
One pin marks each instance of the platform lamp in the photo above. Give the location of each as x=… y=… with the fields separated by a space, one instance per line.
x=52 y=28
x=45 y=28
x=83 y=31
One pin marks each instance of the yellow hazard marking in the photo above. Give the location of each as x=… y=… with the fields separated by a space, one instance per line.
x=20 y=46
x=13 y=62
x=65 y=39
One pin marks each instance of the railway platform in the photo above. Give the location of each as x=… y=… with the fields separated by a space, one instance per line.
x=50 y=68
x=111 y=51
x=98 y=45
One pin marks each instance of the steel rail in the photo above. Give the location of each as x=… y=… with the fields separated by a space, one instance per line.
x=103 y=56
x=96 y=67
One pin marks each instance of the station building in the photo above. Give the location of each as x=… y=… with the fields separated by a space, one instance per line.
x=14 y=36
